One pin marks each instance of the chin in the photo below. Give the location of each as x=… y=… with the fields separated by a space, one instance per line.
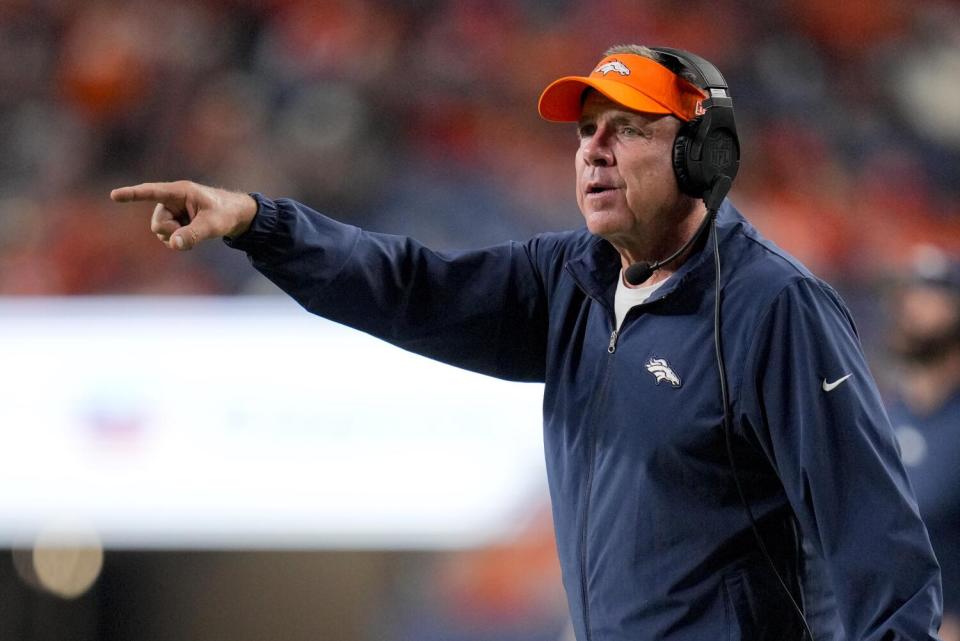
x=607 y=223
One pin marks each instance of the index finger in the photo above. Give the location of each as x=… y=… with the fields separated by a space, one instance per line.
x=155 y=192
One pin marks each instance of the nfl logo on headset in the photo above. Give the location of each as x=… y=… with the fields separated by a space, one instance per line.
x=721 y=151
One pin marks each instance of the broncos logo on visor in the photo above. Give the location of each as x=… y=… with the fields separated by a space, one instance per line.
x=613 y=65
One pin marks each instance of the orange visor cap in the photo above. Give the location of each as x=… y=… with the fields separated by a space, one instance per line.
x=636 y=82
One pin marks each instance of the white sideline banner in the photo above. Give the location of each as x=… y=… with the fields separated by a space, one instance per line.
x=250 y=423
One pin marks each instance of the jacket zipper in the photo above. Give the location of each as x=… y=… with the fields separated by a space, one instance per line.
x=591 y=455
x=588 y=490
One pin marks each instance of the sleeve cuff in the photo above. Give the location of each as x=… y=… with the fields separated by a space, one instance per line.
x=261 y=228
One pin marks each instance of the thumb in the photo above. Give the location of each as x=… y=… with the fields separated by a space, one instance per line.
x=189 y=236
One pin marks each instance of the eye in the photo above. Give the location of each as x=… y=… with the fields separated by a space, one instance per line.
x=630 y=131
x=587 y=129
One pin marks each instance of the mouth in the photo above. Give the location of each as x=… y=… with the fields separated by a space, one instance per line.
x=594 y=189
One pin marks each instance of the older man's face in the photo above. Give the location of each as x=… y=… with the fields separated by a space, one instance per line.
x=625 y=174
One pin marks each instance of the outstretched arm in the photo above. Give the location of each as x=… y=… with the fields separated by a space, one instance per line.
x=483 y=310
x=187 y=213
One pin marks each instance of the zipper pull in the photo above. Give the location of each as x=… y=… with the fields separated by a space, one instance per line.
x=612 y=347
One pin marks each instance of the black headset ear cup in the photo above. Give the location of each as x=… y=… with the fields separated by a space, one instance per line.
x=681 y=155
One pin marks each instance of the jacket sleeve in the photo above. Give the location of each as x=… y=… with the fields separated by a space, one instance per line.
x=481 y=310
x=809 y=398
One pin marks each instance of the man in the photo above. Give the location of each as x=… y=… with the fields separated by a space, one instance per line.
x=653 y=536
x=925 y=412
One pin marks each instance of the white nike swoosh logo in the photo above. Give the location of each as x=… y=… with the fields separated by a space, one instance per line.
x=830 y=386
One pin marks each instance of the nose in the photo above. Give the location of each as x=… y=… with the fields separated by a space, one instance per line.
x=596 y=148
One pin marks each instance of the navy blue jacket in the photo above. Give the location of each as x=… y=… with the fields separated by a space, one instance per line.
x=653 y=540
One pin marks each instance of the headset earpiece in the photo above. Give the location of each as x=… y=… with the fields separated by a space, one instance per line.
x=706 y=151
x=681 y=147
x=703 y=151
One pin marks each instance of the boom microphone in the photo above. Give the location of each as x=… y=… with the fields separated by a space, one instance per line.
x=642 y=270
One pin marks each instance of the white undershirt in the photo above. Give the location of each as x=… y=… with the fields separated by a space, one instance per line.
x=627 y=297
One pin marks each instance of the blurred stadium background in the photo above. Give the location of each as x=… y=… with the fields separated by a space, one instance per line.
x=406 y=116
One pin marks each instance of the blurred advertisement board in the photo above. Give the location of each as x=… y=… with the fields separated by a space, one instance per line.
x=247 y=422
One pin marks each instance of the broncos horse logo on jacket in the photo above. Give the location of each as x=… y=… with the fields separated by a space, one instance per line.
x=662 y=370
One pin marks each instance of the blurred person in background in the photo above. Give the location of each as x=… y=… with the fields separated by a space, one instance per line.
x=656 y=536
x=925 y=412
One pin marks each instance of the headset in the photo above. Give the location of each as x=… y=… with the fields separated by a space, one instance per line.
x=706 y=151
x=706 y=158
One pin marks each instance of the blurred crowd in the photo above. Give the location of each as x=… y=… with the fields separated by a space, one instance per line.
x=419 y=116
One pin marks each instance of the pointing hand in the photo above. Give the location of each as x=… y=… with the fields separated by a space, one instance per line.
x=187 y=213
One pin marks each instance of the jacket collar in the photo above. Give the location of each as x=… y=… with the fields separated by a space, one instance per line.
x=596 y=270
